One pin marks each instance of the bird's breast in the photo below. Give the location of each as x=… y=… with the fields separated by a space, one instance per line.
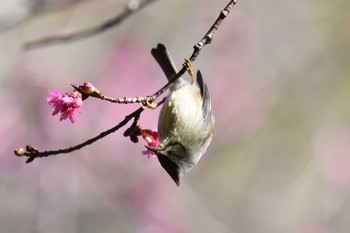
x=180 y=115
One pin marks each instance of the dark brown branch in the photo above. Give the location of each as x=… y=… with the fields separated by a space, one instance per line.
x=32 y=154
x=89 y=31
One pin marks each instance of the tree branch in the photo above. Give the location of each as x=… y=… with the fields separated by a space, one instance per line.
x=132 y=7
x=33 y=153
x=207 y=39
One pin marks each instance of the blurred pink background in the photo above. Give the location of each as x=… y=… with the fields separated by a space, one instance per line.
x=278 y=74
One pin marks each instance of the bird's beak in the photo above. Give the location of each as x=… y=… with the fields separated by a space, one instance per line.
x=154 y=150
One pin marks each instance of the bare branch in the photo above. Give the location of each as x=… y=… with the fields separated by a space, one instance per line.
x=208 y=37
x=32 y=154
x=132 y=7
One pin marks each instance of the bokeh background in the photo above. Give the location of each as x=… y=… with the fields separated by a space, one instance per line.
x=279 y=78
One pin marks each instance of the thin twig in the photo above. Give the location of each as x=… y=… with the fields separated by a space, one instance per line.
x=37 y=154
x=132 y=7
x=208 y=37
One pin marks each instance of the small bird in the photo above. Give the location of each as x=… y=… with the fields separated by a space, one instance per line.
x=186 y=121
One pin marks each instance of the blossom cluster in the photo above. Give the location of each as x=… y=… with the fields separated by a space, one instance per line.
x=66 y=104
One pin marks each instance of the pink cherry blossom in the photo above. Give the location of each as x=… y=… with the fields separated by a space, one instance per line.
x=151 y=137
x=66 y=104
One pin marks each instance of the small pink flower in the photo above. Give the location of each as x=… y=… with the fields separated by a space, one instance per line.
x=151 y=137
x=66 y=104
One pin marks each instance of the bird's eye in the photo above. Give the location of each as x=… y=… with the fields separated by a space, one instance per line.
x=171 y=152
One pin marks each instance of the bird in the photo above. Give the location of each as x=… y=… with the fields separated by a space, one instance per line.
x=186 y=121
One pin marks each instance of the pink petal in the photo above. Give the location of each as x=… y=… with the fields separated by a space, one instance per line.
x=78 y=102
x=54 y=93
x=72 y=118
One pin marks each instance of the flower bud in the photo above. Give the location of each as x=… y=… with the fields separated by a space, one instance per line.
x=88 y=88
x=20 y=152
